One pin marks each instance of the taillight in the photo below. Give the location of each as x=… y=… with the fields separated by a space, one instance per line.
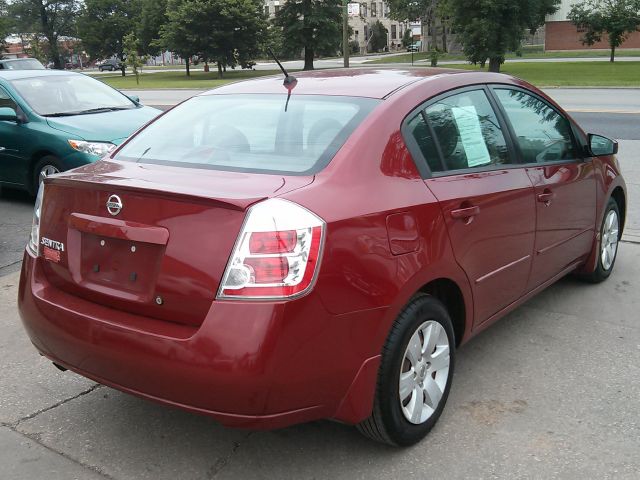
x=277 y=253
x=34 y=239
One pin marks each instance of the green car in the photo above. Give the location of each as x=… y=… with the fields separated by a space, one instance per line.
x=51 y=121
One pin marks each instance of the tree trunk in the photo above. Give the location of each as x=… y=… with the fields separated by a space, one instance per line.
x=494 y=64
x=434 y=34
x=308 y=58
x=444 y=38
x=188 y=65
x=220 y=75
x=613 y=53
x=48 y=31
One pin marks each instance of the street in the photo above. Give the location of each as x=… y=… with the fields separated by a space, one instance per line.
x=551 y=391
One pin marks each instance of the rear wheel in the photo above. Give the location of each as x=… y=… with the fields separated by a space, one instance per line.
x=415 y=374
x=608 y=248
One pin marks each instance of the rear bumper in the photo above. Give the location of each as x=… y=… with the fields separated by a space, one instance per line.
x=250 y=364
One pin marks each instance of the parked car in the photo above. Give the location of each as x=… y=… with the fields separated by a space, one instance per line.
x=414 y=47
x=110 y=65
x=268 y=260
x=21 y=64
x=51 y=121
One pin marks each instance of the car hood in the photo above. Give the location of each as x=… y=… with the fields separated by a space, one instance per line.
x=105 y=127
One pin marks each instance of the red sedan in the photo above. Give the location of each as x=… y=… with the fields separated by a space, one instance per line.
x=271 y=255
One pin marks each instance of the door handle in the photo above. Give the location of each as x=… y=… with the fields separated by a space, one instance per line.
x=466 y=212
x=546 y=197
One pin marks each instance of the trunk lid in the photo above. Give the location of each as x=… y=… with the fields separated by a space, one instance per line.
x=163 y=254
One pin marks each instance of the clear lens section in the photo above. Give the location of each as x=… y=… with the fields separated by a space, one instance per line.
x=99 y=149
x=277 y=254
x=34 y=239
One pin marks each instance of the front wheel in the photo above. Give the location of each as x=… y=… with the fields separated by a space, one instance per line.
x=47 y=165
x=415 y=374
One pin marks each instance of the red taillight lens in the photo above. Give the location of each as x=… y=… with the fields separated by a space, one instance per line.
x=277 y=254
x=268 y=269
x=273 y=242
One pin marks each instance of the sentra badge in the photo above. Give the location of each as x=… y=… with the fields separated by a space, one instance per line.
x=59 y=246
x=52 y=250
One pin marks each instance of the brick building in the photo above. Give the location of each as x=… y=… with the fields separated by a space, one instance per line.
x=561 y=34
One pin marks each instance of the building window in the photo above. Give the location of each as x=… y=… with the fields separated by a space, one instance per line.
x=373 y=9
x=381 y=9
x=266 y=10
x=394 y=32
x=363 y=9
x=356 y=34
x=277 y=8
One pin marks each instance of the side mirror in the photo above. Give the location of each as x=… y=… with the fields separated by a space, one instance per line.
x=602 y=146
x=134 y=98
x=8 y=114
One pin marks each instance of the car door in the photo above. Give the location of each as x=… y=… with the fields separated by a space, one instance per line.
x=11 y=162
x=564 y=182
x=487 y=200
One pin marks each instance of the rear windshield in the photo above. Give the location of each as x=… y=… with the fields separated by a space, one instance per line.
x=28 y=64
x=251 y=133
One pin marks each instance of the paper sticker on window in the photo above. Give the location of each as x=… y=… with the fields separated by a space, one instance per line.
x=470 y=130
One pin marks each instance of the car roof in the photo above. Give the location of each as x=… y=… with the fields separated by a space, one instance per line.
x=25 y=59
x=355 y=82
x=19 y=74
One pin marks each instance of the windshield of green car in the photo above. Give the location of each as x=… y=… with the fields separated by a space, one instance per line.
x=66 y=95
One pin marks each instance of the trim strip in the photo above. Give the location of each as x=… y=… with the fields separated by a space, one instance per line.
x=501 y=269
x=557 y=244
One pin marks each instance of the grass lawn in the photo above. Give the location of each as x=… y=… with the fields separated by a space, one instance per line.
x=179 y=79
x=578 y=74
x=533 y=53
x=573 y=74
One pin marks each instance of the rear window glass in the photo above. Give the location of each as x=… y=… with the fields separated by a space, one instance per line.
x=254 y=133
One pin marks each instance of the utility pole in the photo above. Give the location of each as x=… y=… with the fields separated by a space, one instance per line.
x=345 y=32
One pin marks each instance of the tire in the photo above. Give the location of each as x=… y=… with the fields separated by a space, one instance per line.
x=47 y=164
x=390 y=420
x=609 y=239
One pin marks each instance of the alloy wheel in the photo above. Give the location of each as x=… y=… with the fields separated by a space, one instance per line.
x=424 y=372
x=45 y=171
x=609 y=244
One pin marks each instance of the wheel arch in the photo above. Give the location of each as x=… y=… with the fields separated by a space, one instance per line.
x=450 y=294
x=35 y=158
x=618 y=195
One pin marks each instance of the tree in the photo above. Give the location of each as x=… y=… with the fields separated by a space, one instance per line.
x=131 y=52
x=378 y=36
x=50 y=18
x=103 y=25
x=153 y=15
x=312 y=25
x=5 y=25
x=428 y=11
x=229 y=32
x=488 y=29
x=407 y=38
x=615 y=18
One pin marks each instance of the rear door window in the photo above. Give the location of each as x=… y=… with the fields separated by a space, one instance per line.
x=460 y=132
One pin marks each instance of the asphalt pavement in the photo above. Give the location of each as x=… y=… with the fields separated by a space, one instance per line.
x=551 y=391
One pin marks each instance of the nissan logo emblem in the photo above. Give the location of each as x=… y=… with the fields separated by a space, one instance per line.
x=114 y=205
